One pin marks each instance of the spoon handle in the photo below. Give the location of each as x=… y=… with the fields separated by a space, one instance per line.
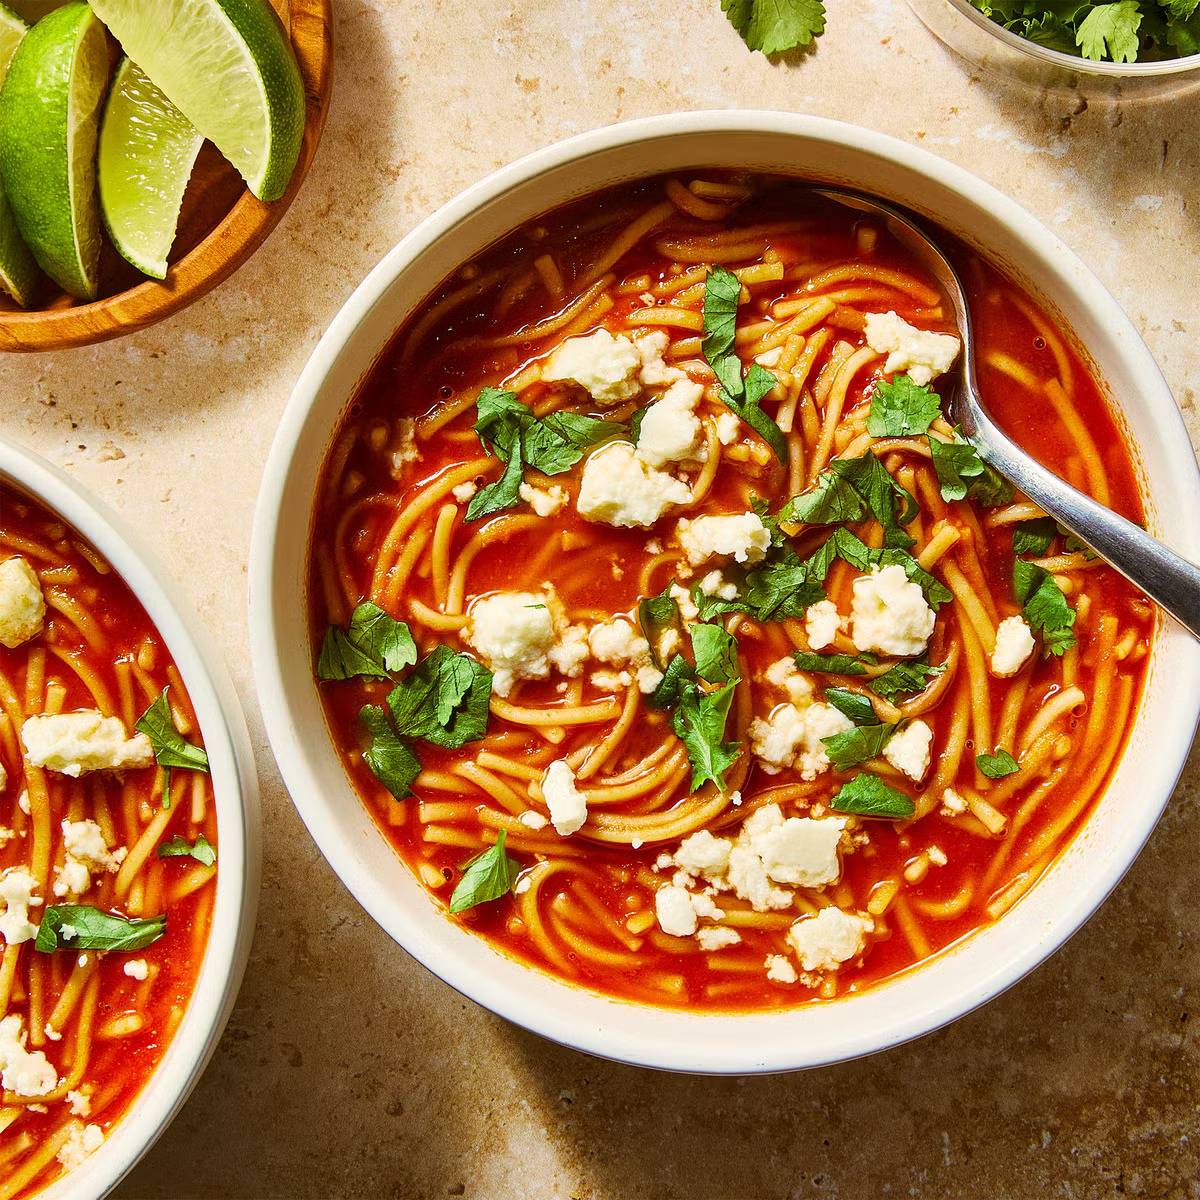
x=1170 y=580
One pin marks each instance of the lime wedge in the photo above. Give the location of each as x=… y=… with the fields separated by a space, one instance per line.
x=147 y=151
x=228 y=66
x=18 y=271
x=49 y=115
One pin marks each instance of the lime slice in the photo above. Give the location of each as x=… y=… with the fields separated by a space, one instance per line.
x=18 y=271
x=49 y=114
x=228 y=66
x=147 y=151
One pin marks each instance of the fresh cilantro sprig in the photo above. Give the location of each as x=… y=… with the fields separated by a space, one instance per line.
x=742 y=395
x=868 y=796
x=774 y=26
x=488 y=876
x=1044 y=606
x=961 y=472
x=443 y=699
x=902 y=408
x=858 y=745
x=551 y=444
x=171 y=750
x=1124 y=31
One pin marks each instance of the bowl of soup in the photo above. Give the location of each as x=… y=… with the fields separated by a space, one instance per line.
x=129 y=841
x=646 y=651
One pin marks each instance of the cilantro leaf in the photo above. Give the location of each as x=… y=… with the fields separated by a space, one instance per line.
x=868 y=796
x=1044 y=605
x=1034 y=537
x=444 y=700
x=743 y=396
x=699 y=721
x=81 y=927
x=678 y=673
x=833 y=664
x=831 y=502
x=955 y=462
x=656 y=614
x=842 y=543
x=170 y=748
x=774 y=26
x=998 y=765
x=780 y=587
x=373 y=644
x=390 y=759
x=201 y=849
x=488 y=876
x=552 y=445
x=881 y=493
x=904 y=677
x=1110 y=31
x=852 y=704
x=902 y=408
x=716 y=653
x=857 y=745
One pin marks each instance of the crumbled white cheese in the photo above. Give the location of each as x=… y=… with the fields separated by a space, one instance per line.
x=824 y=941
x=780 y=969
x=908 y=750
x=611 y=681
x=742 y=536
x=137 y=968
x=784 y=674
x=953 y=805
x=23 y=802
x=922 y=354
x=889 y=614
x=717 y=937
x=728 y=427
x=1014 y=645
x=81 y=1141
x=465 y=491
x=532 y=819
x=937 y=856
x=77 y=742
x=701 y=853
x=606 y=367
x=790 y=736
x=567 y=804
x=514 y=634
x=24 y=1072
x=673 y=908
x=85 y=851
x=769 y=358
x=683 y=599
x=715 y=584
x=405 y=450
x=22 y=608
x=799 y=851
x=671 y=432
x=545 y=502
x=618 y=643
x=570 y=652
x=18 y=890
x=80 y=1103
x=821 y=624
x=651 y=346
x=619 y=488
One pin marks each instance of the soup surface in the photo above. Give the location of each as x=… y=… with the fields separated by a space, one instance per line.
x=673 y=636
x=107 y=879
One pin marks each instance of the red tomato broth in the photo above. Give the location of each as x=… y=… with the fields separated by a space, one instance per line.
x=119 y=1064
x=413 y=381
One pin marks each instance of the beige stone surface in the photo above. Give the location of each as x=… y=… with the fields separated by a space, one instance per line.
x=347 y=1070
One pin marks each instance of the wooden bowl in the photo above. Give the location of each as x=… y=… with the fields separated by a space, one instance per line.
x=220 y=226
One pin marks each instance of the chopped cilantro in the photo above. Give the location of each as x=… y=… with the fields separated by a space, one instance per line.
x=390 y=759
x=845 y=488
x=904 y=677
x=716 y=653
x=996 y=766
x=852 y=704
x=833 y=664
x=373 y=645
x=902 y=408
x=656 y=614
x=868 y=796
x=699 y=721
x=774 y=26
x=1044 y=605
x=857 y=745
x=444 y=700
x=1034 y=537
x=488 y=876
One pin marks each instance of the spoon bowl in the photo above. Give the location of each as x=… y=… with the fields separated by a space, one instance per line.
x=1170 y=580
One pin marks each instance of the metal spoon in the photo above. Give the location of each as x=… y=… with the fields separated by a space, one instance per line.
x=1167 y=578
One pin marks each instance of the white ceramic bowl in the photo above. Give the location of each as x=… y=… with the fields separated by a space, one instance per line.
x=239 y=829
x=981 y=40
x=914 y=1003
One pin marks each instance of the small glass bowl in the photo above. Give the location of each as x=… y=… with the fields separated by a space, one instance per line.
x=980 y=40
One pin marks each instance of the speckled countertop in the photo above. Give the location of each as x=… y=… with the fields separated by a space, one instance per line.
x=349 y=1071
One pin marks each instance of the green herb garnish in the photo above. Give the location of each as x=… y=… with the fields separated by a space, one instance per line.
x=657 y=614
x=1034 y=537
x=743 y=396
x=699 y=722
x=902 y=408
x=868 y=796
x=1044 y=605
x=904 y=677
x=852 y=704
x=488 y=876
x=373 y=645
x=444 y=700
x=996 y=766
x=833 y=664
x=716 y=653
x=774 y=26
x=390 y=759
x=89 y=928
x=857 y=745
x=201 y=849
x=170 y=748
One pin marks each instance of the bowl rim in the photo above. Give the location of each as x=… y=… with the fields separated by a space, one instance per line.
x=225 y=248
x=1069 y=62
x=235 y=781
x=434 y=951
